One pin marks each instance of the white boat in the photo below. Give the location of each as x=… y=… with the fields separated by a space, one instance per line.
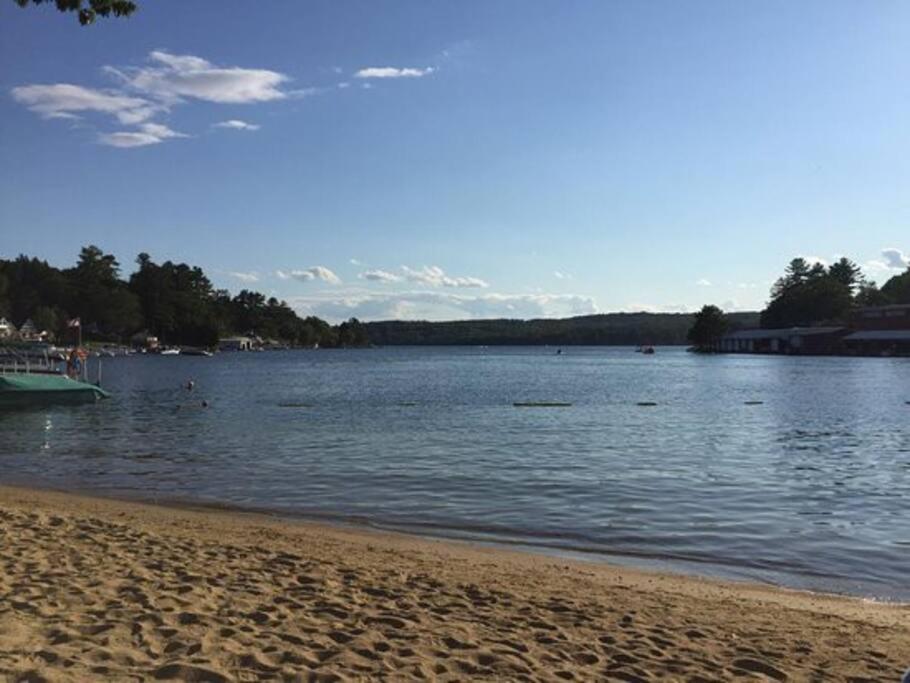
x=170 y=352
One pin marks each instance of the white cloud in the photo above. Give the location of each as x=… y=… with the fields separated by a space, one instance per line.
x=61 y=100
x=380 y=276
x=125 y=139
x=703 y=282
x=310 y=274
x=895 y=259
x=355 y=262
x=815 y=260
x=637 y=307
x=244 y=277
x=148 y=134
x=430 y=305
x=892 y=260
x=154 y=89
x=436 y=277
x=559 y=275
x=343 y=85
x=393 y=72
x=237 y=124
x=170 y=78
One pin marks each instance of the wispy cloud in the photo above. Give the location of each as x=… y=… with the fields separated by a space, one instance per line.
x=66 y=101
x=310 y=274
x=559 y=275
x=237 y=124
x=171 y=78
x=436 y=277
x=393 y=72
x=703 y=282
x=147 y=91
x=380 y=276
x=148 y=134
x=244 y=277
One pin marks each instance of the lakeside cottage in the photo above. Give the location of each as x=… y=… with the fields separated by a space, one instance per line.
x=235 y=344
x=881 y=331
x=873 y=331
x=7 y=329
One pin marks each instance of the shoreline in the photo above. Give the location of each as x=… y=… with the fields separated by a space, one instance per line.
x=694 y=568
x=97 y=587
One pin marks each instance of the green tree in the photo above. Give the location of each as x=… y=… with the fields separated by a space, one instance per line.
x=4 y=295
x=897 y=289
x=709 y=326
x=797 y=273
x=807 y=295
x=88 y=11
x=100 y=298
x=868 y=294
x=48 y=319
x=847 y=273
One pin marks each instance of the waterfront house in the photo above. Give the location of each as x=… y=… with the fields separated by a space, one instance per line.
x=792 y=340
x=891 y=317
x=873 y=331
x=235 y=344
x=880 y=331
x=144 y=340
x=28 y=331
x=7 y=329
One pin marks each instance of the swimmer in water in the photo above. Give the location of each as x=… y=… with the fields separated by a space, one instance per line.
x=190 y=384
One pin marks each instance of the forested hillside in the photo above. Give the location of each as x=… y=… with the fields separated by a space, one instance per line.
x=610 y=328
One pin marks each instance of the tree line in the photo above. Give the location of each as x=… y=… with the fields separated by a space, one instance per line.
x=175 y=302
x=625 y=329
x=807 y=295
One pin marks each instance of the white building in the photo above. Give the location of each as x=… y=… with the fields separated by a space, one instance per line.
x=7 y=329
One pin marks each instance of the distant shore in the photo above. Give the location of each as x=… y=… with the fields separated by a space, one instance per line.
x=94 y=588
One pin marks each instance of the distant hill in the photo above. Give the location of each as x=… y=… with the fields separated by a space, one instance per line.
x=605 y=329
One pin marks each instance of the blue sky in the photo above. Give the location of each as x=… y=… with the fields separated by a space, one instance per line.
x=449 y=160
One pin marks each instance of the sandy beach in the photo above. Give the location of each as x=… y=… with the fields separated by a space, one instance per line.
x=97 y=589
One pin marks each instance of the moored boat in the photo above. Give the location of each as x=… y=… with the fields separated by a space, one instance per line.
x=25 y=388
x=27 y=379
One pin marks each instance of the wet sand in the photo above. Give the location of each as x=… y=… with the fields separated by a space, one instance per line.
x=96 y=589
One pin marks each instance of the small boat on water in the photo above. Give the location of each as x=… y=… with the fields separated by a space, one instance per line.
x=191 y=351
x=169 y=352
x=28 y=388
x=647 y=350
x=24 y=381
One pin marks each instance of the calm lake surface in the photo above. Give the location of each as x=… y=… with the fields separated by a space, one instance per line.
x=809 y=489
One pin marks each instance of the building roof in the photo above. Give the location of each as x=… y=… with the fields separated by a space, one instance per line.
x=784 y=333
x=879 y=335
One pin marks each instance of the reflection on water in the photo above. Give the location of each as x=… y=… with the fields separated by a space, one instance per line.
x=794 y=470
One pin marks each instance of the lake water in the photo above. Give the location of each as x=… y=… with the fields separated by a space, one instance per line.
x=810 y=488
